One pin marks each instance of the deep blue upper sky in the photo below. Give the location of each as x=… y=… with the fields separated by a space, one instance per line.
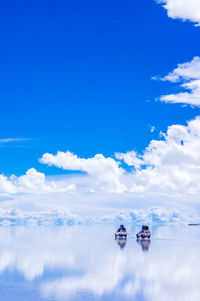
x=76 y=75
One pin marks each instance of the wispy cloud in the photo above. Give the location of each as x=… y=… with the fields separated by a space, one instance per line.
x=10 y=140
x=187 y=75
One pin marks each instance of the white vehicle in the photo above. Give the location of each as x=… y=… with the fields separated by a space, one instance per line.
x=144 y=233
x=121 y=232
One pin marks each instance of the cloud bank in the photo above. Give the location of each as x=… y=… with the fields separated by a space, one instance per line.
x=167 y=166
x=186 y=10
x=187 y=75
x=166 y=173
x=154 y=215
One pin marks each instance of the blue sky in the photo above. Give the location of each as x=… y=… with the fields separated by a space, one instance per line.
x=77 y=76
x=99 y=106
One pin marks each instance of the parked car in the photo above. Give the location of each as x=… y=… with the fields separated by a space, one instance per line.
x=121 y=232
x=144 y=233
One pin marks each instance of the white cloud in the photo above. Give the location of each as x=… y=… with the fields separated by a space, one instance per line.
x=10 y=140
x=104 y=170
x=188 y=77
x=187 y=10
x=6 y=186
x=171 y=164
x=152 y=128
x=185 y=71
x=130 y=158
x=32 y=182
x=166 y=173
x=168 y=168
x=154 y=215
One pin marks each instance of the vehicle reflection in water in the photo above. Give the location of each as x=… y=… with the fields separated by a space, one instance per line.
x=144 y=243
x=121 y=241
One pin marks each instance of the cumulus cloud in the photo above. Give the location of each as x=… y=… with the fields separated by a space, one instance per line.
x=167 y=171
x=167 y=166
x=187 y=10
x=104 y=170
x=171 y=164
x=6 y=186
x=131 y=158
x=188 y=77
x=32 y=182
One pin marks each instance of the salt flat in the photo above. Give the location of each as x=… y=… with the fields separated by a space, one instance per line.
x=87 y=263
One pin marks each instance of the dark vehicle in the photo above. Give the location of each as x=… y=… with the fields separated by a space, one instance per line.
x=121 y=232
x=144 y=233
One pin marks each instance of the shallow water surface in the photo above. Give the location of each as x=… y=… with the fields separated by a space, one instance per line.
x=87 y=263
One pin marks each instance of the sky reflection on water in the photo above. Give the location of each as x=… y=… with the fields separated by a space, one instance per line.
x=87 y=263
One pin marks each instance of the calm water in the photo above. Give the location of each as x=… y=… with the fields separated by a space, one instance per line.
x=87 y=263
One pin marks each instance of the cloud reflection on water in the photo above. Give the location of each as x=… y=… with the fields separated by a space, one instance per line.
x=94 y=265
